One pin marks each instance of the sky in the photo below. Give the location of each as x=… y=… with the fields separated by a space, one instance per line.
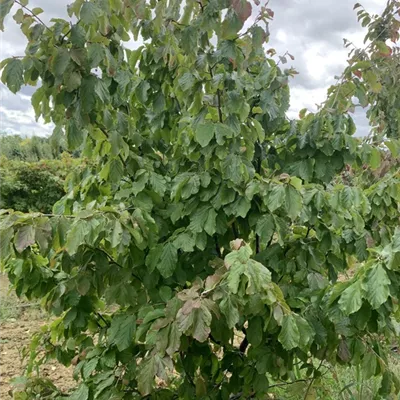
x=311 y=30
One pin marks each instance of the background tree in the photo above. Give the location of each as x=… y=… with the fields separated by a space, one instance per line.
x=210 y=215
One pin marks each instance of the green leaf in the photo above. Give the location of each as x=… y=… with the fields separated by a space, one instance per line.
x=375 y=158
x=231 y=26
x=88 y=93
x=351 y=299
x=78 y=36
x=5 y=7
x=168 y=261
x=12 y=75
x=230 y=311
x=158 y=183
x=82 y=393
x=90 y=12
x=307 y=333
x=254 y=332
x=121 y=331
x=265 y=228
x=6 y=236
x=369 y=364
x=186 y=81
x=76 y=236
x=116 y=170
x=74 y=135
x=276 y=197
x=24 y=237
x=174 y=340
x=289 y=335
x=96 y=54
x=89 y=367
x=73 y=81
x=116 y=234
x=293 y=202
x=147 y=372
x=204 y=134
x=60 y=61
x=83 y=285
x=377 y=286
x=211 y=223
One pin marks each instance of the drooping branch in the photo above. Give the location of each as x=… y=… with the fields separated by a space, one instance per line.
x=33 y=14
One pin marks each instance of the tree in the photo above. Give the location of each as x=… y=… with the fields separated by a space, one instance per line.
x=211 y=215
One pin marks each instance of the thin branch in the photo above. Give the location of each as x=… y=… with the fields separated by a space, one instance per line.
x=201 y=5
x=288 y=383
x=103 y=319
x=243 y=346
x=257 y=244
x=313 y=378
x=218 y=100
x=112 y=261
x=217 y=248
x=68 y=32
x=33 y=14
x=235 y=232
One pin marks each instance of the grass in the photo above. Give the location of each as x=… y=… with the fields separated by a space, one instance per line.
x=338 y=383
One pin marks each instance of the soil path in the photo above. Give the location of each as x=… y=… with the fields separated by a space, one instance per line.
x=16 y=332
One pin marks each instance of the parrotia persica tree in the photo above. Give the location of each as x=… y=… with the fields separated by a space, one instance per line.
x=205 y=253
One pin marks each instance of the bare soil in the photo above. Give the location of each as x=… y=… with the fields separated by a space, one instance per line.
x=17 y=326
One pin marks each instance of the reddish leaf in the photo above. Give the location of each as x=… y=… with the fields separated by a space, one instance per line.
x=242 y=9
x=270 y=12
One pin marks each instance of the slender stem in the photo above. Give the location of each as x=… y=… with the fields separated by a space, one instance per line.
x=219 y=106
x=218 y=99
x=235 y=232
x=257 y=244
x=217 y=248
x=313 y=378
x=243 y=346
x=33 y=14
x=102 y=318
x=201 y=5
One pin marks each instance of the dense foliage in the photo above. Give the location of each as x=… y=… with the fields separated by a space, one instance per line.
x=205 y=255
x=15 y=147
x=34 y=186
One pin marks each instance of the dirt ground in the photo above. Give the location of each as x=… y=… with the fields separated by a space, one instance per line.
x=17 y=325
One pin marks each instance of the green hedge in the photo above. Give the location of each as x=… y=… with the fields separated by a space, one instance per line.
x=33 y=186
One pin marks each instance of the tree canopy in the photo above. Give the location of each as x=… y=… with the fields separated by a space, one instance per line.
x=204 y=253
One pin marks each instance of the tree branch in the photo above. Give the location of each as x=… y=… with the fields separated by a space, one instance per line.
x=245 y=343
x=33 y=14
x=217 y=248
x=257 y=244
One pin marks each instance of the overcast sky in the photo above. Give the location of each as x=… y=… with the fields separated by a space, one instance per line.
x=311 y=30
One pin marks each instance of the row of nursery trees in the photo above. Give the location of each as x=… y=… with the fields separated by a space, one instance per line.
x=33 y=172
x=208 y=214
